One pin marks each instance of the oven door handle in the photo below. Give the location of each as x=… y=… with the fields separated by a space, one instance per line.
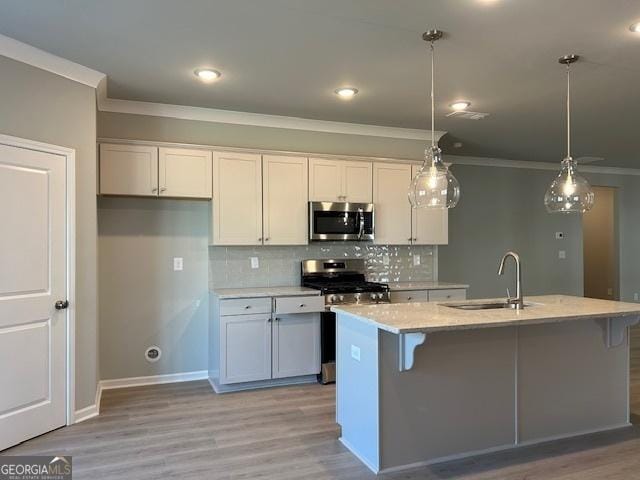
x=361 y=231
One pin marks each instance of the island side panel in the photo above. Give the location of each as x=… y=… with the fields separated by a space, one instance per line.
x=458 y=398
x=357 y=388
x=569 y=381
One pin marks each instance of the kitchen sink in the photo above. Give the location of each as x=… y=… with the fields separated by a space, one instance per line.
x=482 y=306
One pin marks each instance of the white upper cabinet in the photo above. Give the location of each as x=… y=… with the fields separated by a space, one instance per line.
x=392 y=208
x=285 y=194
x=430 y=226
x=357 y=181
x=128 y=170
x=184 y=173
x=237 y=199
x=340 y=181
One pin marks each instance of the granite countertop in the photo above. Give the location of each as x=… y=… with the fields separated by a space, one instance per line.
x=434 y=317
x=254 y=292
x=407 y=286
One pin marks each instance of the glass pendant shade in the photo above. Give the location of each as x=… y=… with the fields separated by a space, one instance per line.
x=569 y=192
x=434 y=186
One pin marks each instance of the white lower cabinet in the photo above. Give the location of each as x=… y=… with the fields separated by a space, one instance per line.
x=262 y=339
x=245 y=347
x=296 y=345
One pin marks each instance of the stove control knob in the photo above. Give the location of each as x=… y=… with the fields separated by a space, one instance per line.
x=331 y=298
x=373 y=296
x=341 y=298
x=380 y=296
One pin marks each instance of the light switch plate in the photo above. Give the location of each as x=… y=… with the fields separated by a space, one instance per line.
x=416 y=260
x=562 y=254
x=255 y=263
x=385 y=259
x=177 y=264
x=355 y=352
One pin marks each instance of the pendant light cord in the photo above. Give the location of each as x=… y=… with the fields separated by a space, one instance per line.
x=433 y=109
x=568 y=111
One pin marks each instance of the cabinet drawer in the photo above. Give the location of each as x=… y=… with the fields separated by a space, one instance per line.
x=240 y=306
x=300 y=304
x=446 y=295
x=409 y=296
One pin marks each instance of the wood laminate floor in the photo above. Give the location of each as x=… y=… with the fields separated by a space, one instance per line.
x=185 y=431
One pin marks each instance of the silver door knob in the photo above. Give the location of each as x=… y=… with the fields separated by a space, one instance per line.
x=61 y=304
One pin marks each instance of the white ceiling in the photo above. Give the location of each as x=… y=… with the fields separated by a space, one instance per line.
x=285 y=57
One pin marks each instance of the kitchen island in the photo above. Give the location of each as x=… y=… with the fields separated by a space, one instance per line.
x=420 y=383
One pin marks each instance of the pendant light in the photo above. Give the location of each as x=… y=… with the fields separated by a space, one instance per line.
x=434 y=186
x=569 y=192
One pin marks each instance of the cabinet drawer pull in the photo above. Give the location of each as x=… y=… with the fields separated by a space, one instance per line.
x=302 y=305
x=247 y=307
x=409 y=298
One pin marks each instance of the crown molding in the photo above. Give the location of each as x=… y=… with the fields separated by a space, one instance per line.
x=499 y=162
x=184 y=112
x=35 y=57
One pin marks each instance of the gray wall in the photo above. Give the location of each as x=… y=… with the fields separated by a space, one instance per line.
x=502 y=209
x=41 y=106
x=143 y=302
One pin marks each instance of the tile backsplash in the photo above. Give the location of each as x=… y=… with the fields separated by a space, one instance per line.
x=230 y=267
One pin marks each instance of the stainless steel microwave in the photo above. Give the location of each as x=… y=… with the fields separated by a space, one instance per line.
x=341 y=221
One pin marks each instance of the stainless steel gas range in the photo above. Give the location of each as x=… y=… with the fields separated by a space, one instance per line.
x=342 y=282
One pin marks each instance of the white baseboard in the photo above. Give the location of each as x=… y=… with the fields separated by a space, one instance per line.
x=153 y=380
x=86 y=413
x=91 y=411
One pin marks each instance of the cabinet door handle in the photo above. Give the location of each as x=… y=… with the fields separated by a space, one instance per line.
x=409 y=298
x=267 y=239
x=154 y=189
x=247 y=307
x=415 y=239
x=269 y=320
x=302 y=305
x=163 y=189
x=260 y=239
x=409 y=239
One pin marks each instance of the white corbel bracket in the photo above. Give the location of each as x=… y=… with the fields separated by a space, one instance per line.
x=613 y=329
x=407 y=343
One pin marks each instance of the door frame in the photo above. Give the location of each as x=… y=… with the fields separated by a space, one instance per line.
x=70 y=167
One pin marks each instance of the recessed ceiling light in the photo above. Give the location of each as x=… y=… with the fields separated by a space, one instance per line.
x=207 y=74
x=635 y=28
x=460 y=105
x=346 y=92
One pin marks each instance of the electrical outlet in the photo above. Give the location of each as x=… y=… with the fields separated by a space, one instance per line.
x=355 y=352
x=562 y=254
x=416 y=260
x=255 y=263
x=385 y=259
x=177 y=264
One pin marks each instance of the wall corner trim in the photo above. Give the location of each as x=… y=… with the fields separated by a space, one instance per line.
x=35 y=57
x=91 y=411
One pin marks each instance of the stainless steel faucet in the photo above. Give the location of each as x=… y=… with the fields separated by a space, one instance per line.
x=517 y=302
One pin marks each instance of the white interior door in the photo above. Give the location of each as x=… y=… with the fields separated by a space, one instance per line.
x=32 y=278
